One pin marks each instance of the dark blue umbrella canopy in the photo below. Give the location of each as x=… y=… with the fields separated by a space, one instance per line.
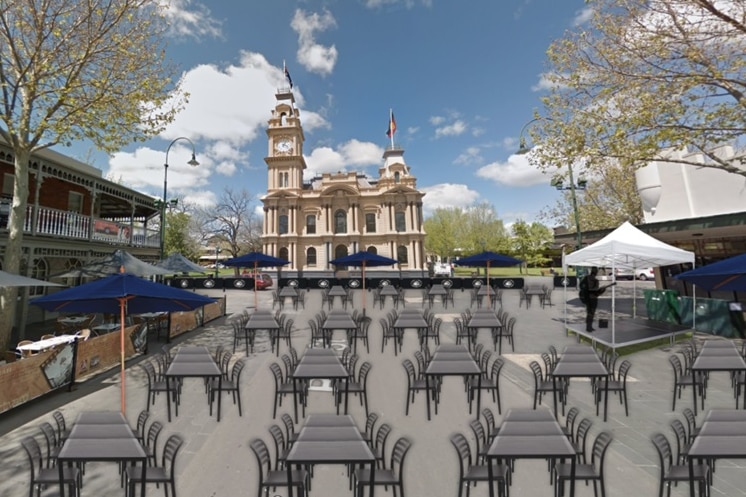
x=106 y=296
x=255 y=260
x=488 y=259
x=726 y=275
x=122 y=293
x=364 y=259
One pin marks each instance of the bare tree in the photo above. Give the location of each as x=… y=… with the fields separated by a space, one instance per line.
x=72 y=70
x=232 y=223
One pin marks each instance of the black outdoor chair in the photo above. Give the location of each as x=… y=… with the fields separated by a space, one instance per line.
x=471 y=473
x=359 y=386
x=393 y=475
x=53 y=445
x=541 y=386
x=379 y=443
x=282 y=387
x=43 y=477
x=165 y=474
x=490 y=383
x=155 y=386
x=618 y=385
x=232 y=385
x=682 y=380
x=593 y=471
x=269 y=478
x=414 y=385
x=675 y=473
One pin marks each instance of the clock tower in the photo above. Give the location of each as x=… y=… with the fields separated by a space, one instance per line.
x=285 y=163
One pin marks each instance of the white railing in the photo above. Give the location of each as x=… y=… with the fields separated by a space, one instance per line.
x=66 y=224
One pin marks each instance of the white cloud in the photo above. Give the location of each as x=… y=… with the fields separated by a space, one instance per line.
x=201 y=199
x=447 y=195
x=190 y=19
x=454 y=129
x=516 y=171
x=582 y=16
x=313 y=56
x=372 y=4
x=228 y=108
x=437 y=120
x=471 y=155
x=351 y=153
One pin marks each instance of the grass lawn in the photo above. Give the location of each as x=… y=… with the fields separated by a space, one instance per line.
x=508 y=272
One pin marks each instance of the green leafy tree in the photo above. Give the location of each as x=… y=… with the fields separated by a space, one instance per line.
x=643 y=77
x=445 y=229
x=178 y=238
x=610 y=198
x=72 y=70
x=531 y=242
x=484 y=231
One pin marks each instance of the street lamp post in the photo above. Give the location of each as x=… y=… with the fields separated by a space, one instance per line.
x=217 y=255
x=558 y=183
x=192 y=162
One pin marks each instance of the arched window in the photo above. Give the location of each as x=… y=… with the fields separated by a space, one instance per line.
x=283 y=224
x=311 y=256
x=397 y=177
x=400 y=221
x=401 y=254
x=39 y=272
x=340 y=251
x=284 y=253
x=310 y=224
x=340 y=221
x=372 y=250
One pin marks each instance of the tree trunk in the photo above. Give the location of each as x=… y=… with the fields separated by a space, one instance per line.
x=13 y=250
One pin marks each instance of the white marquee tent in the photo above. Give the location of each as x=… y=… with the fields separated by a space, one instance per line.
x=627 y=248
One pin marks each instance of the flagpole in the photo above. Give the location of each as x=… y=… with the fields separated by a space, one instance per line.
x=391 y=120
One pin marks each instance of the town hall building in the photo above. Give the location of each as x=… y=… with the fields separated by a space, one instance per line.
x=335 y=214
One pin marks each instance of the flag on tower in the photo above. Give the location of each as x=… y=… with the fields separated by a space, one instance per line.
x=287 y=74
x=392 y=126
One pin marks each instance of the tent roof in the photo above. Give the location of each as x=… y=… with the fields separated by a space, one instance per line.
x=628 y=248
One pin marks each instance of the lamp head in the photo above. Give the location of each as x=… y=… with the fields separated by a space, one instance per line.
x=193 y=162
x=556 y=183
x=523 y=149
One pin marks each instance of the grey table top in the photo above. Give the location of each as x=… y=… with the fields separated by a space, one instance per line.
x=325 y=420
x=528 y=414
x=486 y=319
x=726 y=415
x=337 y=291
x=288 y=291
x=101 y=449
x=101 y=417
x=262 y=321
x=101 y=431
x=328 y=370
x=568 y=369
x=730 y=362
x=330 y=452
x=194 y=349
x=192 y=358
x=530 y=446
x=718 y=352
x=329 y=434
x=339 y=321
x=731 y=446
x=452 y=367
x=531 y=428
x=389 y=290
x=315 y=351
x=193 y=369
x=723 y=428
x=410 y=321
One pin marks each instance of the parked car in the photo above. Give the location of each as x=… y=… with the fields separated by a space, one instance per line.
x=644 y=274
x=262 y=281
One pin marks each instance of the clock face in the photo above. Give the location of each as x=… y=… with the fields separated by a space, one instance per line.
x=284 y=146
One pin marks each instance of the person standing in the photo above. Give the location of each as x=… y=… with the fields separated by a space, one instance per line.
x=589 y=293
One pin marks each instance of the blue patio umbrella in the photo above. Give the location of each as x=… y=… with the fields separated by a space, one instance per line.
x=488 y=259
x=123 y=293
x=255 y=260
x=726 y=275
x=361 y=260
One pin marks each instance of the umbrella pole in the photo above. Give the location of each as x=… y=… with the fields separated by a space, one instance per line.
x=363 y=288
x=121 y=355
x=255 y=297
x=489 y=299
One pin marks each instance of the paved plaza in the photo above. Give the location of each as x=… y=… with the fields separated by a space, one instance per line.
x=217 y=461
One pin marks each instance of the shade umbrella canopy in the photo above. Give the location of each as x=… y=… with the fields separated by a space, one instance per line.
x=112 y=264
x=726 y=275
x=488 y=259
x=255 y=260
x=10 y=279
x=122 y=293
x=177 y=263
x=362 y=260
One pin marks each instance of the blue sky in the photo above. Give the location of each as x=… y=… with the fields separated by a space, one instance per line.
x=462 y=78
